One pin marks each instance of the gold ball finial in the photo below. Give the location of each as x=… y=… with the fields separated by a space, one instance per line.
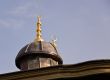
x=39 y=20
x=39 y=30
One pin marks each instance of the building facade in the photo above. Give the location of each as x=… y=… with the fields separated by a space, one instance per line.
x=40 y=60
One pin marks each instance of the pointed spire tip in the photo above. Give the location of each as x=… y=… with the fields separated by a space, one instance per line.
x=38 y=30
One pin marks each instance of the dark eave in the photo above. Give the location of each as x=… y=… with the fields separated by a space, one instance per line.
x=72 y=71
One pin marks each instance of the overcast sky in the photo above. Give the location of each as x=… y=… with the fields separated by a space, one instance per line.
x=82 y=28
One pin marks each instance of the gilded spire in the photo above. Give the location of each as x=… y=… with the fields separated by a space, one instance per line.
x=38 y=30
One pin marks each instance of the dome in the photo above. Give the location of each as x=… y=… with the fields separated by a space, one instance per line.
x=42 y=49
x=38 y=54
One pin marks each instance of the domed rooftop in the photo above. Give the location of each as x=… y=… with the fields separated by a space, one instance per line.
x=38 y=54
x=41 y=49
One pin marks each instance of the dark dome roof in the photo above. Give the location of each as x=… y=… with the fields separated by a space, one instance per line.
x=41 y=49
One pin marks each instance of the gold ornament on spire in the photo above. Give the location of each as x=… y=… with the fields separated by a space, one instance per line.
x=39 y=30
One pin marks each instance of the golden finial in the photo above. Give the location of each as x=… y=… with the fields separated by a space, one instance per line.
x=38 y=30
